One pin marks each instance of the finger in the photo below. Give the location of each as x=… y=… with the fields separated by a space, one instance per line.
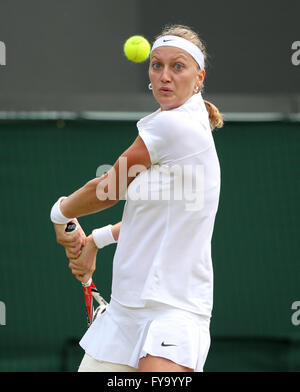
x=74 y=247
x=77 y=269
x=82 y=278
x=70 y=239
x=73 y=252
x=73 y=264
x=74 y=243
x=66 y=243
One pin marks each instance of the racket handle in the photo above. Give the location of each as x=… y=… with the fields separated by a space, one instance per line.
x=89 y=289
x=70 y=229
x=88 y=283
x=88 y=298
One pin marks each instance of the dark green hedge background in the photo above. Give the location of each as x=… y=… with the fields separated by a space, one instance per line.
x=255 y=243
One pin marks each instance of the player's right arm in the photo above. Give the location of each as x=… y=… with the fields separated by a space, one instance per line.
x=86 y=200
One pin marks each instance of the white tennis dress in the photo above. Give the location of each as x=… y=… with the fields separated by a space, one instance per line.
x=162 y=287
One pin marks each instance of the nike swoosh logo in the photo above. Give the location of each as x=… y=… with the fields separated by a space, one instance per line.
x=167 y=40
x=166 y=345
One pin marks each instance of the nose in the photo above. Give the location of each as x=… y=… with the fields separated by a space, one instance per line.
x=165 y=75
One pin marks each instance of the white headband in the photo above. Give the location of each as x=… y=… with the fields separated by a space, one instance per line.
x=181 y=43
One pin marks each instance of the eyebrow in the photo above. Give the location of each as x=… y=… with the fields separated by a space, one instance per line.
x=174 y=58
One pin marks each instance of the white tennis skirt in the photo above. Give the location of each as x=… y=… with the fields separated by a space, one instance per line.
x=123 y=335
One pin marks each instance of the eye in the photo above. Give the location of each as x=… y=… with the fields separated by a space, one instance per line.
x=178 y=67
x=156 y=65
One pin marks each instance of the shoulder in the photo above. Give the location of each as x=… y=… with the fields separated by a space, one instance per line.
x=171 y=121
x=170 y=117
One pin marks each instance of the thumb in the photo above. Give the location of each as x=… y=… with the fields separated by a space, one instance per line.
x=83 y=278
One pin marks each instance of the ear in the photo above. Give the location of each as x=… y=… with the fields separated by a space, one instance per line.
x=201 y=75
x=200 y=78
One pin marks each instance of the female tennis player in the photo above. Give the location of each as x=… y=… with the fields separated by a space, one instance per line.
x=158 y=318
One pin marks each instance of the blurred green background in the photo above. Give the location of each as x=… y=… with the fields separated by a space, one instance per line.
x=254 y=248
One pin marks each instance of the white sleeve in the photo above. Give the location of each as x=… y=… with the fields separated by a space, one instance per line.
x=170 y=136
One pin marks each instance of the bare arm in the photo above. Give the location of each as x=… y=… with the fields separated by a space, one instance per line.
x=86 y=200
x=116 y=230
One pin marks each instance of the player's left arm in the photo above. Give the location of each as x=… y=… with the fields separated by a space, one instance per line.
x=73 y=249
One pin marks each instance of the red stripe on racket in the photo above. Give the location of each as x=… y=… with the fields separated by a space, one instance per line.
x=89 y=289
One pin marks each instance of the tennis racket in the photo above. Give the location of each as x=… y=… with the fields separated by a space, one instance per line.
x=89 y=290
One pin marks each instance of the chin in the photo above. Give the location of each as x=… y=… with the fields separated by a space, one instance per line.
x=169 y=105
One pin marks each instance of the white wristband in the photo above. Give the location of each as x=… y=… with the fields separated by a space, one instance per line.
x=103 y=236
x=56 y=214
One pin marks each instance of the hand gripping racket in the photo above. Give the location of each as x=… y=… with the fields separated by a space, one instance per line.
x=89 y=290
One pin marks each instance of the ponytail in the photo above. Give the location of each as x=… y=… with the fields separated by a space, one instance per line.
x=215 y=117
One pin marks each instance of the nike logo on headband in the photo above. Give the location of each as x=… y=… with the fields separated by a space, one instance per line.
x=167 y=40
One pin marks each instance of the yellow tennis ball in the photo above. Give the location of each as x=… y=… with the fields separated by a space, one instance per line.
x=137 y=48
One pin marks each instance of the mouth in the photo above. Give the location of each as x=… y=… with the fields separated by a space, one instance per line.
x=165 y=90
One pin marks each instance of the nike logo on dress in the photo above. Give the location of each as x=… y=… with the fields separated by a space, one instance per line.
x=166 y=345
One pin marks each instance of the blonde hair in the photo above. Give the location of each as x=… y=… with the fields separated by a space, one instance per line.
x=215 y=117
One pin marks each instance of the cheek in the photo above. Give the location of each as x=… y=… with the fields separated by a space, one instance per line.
x=185 y=82
x=152 y=77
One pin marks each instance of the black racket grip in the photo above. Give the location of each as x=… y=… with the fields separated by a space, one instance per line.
x=71 y=227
